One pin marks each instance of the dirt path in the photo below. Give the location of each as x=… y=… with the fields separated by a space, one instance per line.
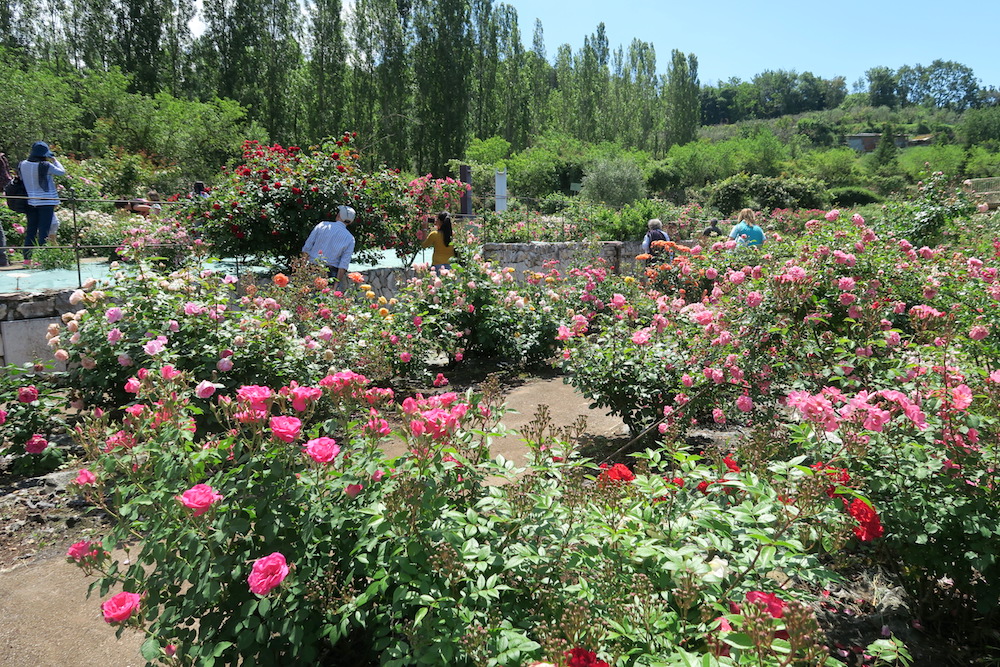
x=46 y=619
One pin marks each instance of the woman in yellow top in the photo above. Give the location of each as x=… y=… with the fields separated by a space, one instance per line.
x=440 y=240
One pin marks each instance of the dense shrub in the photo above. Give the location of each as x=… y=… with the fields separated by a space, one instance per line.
x=765 y=193
x=31 y=412
x=554 y=203
x=924 y=219
x=852 y=196
x=614 y=182
x=815 y=326
x=299 y=540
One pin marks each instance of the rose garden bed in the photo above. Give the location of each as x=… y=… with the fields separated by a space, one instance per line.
x=233 y=433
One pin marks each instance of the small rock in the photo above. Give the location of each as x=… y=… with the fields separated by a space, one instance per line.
x=59 y=479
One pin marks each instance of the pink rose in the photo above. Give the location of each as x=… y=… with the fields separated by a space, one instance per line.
x=286 y=429
x=154 y=346
x=199 y=498
x=124 y=359
x=353 y=490
x=224 y=365
x=168 y=372
x=114 y=335
x=267 y=573
x=113 y=315
x=121 y=607
x=440 y=380
x=405 y=357
x=322 y=450
x=205 y=389
x=84 y=477
x=36 y=444
x=302 y=396
x=132 y=385
x=82 y=550
x=256 y=395
x=832 y=215
x=979 y=332
x=27 y=394
x=377 y=476
x=744 y=403
x=3 y=416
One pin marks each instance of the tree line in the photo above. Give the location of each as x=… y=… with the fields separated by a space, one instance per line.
x=417 y=79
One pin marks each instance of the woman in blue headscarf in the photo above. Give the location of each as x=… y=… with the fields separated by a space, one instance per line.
x=38 y=173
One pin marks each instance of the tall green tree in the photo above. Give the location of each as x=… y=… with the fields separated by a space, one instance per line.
x=441 y=64
x=252 y=55
x=682 y=99
x=138 y=33
x=514 y=94
x=882 y=84
x=541 y=81
x=381 y=80
x=326 y=87
x=484 y=94
x=590 y=86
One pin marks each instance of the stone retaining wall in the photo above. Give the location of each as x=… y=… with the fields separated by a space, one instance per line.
x=24 y=319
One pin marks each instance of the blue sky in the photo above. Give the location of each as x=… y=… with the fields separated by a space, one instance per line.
x=741 y=39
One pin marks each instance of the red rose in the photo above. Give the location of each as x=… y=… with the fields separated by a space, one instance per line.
x=869 y=526
x=618 y=472
x=27 y=394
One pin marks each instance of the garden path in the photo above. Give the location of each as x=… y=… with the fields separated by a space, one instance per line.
x=46 y=619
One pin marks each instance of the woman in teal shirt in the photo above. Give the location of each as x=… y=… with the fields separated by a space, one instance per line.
x=747 y=232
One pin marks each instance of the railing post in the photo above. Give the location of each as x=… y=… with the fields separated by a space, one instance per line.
x=76 y=236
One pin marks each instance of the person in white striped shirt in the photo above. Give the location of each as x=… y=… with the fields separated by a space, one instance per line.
x=330 y=243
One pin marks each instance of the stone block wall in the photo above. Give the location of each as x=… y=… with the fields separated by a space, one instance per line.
x=24 y=319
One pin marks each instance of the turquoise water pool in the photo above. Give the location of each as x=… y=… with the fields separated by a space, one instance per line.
x=18 y=279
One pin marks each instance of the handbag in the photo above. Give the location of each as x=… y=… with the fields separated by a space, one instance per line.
x=16 y=195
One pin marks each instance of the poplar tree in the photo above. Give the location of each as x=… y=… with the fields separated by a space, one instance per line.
x=326 y=89
x=441 y=72
x=683 y=105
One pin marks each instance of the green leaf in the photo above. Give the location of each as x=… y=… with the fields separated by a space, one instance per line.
x=151 y=649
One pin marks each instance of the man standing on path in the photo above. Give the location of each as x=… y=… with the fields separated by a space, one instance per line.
x=331 y=244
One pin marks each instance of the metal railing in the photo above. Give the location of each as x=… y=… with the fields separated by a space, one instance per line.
x=73 y=203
